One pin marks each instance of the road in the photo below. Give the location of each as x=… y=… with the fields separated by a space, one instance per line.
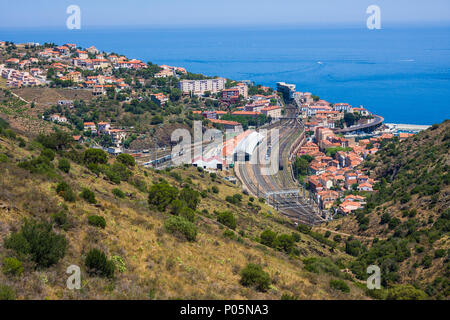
x=376 y=122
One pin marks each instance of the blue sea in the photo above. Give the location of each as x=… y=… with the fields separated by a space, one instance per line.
x=401 y=73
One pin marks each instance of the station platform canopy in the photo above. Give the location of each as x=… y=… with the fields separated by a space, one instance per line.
x=247 y=146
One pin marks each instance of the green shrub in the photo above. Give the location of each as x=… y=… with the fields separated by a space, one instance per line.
x=339 y=285
x=440 y=253
x=119 y=263
x=39 y=241
x=64 y=165
x=227 y=218
x=321 y=265
x=6 y=293
x=49 y=154
x=215 y=189
x=88 y=195
x=40 y=165
x=98 y=264
x=254 y=275
x=22 y=143
x=176 y=206
x=139 y=183
x=120 y=170
x=188 y=213
x=96 y=156
x=176 y=176
x=126 y=159
x=235 y=199
x=9 y=134
x=161 y=195
x=118 y=193
x=3 y=124
x=190 y=197
x=427 y=261
x=3 y=158
x=12 y=266
x=180 y=225
x=61 y=219
x=353 y=247
x=56 y=141
x=287 y=296
x=406 y=292
x=285 y=242
x=393 y=223
x=110 y=174
x=268 y=238
x=229 y=234
x=304 y=228
x=97 y=221
x=65 y=191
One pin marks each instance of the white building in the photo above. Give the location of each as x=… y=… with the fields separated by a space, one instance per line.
x=58 y=118
x=199 y=87
x=287 y=89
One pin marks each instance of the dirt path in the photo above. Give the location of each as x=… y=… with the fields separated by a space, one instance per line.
x=19 y=97
x=349 y=235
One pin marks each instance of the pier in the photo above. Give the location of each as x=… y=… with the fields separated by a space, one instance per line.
x=406 y=127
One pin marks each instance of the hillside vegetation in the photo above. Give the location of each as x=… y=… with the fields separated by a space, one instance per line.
x=408 y=217
x=143 y=234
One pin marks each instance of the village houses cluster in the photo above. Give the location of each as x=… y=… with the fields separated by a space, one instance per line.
x=20 y=71
x=331 y=176
x=255 y=105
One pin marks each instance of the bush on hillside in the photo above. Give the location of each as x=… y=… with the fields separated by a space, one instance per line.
x=285 y=242
x=96 y=156
x=49 y=154
x=118 y=193
x=406 y=292
x=38 y=241
x=7 y=293
x=97 y=221
x=126 y=159
x=268 y=238
x=60 y=219
x=181 y=226
x=65 y=191
x=56 y=141
x=161 y=195
x=88 y=195
x=98 y=264
x=190 y=197
x=64 y=165
x=228 y=219
x=339 y=285
x=12 y=266
x=254 y=275
x=235 y=199
x=40 y=165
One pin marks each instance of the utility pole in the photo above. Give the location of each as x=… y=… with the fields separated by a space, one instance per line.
x=156 y=149
x=257 y=155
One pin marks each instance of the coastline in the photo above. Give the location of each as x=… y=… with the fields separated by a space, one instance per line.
x=381 y=82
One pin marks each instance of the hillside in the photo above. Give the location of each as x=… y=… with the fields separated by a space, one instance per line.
x=408 y=216
x=58 y=201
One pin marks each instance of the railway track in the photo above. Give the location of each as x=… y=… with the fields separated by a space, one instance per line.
x=258 y=184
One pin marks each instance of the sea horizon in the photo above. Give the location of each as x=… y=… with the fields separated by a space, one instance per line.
x=373 y=68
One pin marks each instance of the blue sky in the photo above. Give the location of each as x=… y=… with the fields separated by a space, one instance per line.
x=45 y=13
